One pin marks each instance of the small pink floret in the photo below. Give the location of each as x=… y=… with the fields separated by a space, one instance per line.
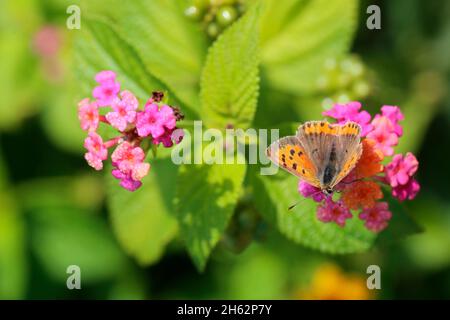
x=384 y=135
x=351 y=112
x=155 y=121
x=331 y=211
x=124 y=111
x=107 y=90
x=309 y=191
x=97 y=152
x=130 y=166
x=401 y=169
x=88 y=115
x=376 y=218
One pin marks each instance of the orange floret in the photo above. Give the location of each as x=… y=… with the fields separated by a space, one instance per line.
x=361 y=194
x=370 y=162
x=331 y=283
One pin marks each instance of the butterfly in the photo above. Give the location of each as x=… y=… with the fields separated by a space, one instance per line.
x=321 y=153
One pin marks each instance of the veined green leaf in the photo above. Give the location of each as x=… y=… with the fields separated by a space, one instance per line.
x=295 y=57
x=99 y=47
x=229 y=87
x=141 y=219
x=205 y=201
x=170 y=46
x=301 y=224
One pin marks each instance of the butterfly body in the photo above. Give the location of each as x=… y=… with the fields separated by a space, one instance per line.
x=320 y=153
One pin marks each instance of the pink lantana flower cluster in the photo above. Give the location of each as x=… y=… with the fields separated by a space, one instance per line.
x=155 y=123
x=361 y=190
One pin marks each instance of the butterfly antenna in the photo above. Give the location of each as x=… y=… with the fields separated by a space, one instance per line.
x=301 y=200
x=294 y=205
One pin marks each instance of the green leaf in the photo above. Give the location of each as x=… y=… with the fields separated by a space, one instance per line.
x=141 y=219
x=276 y=15
x=65 y=228
x=59 y=114
x=20 y=78
x=130 y=285
x=322 y=29
x=245 y=276
x=64 y=236
x=301 y=224
x=13 y=270
x=84 y=192
x=429 y=249
x=229 y=87
x=205 y=200
x=3 y=172
x=416 y=123
x=171 y=47
x=99 y=47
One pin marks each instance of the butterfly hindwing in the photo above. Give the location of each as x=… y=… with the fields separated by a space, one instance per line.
x=289 y=154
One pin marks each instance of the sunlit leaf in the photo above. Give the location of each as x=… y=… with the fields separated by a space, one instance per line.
x=230 y=77
x=205 y=201
x=170 y=46
x=99 y=47
x=322 y=29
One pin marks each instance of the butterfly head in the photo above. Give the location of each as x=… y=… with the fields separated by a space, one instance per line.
x=328 y=191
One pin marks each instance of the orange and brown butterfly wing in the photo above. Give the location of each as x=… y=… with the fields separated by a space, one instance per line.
x=318 y=138
x=289 y=154
x=350 y=147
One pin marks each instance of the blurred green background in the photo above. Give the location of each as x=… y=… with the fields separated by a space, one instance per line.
x=55 y=211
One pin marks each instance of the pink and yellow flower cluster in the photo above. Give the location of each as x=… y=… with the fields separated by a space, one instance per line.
x=120 y=110
x=361 y=190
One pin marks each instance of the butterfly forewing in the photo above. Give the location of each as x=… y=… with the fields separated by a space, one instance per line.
x=318 y=138
x=289 y=154
x=348 y=148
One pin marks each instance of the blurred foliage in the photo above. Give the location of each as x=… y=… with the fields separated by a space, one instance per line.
x=55 y=211
x=142 y=220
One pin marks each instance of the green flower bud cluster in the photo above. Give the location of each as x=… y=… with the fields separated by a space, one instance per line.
x=343 y=80
x=215 y=15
